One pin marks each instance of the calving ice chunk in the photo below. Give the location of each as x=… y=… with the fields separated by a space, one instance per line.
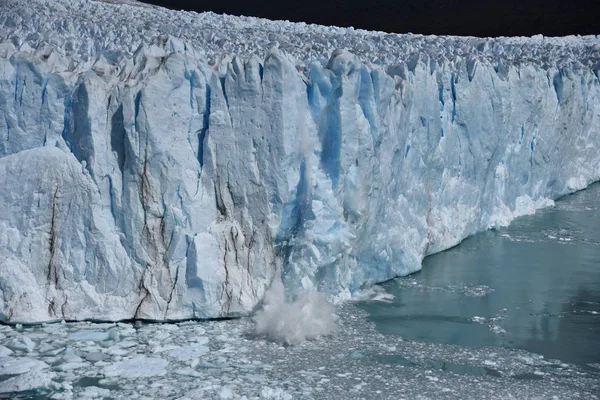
x=308 y=317
x=153 y=166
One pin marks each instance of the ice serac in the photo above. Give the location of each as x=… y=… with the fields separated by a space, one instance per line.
x=153 y=166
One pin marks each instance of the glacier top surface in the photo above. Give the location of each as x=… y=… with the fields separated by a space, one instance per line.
x=86 y=28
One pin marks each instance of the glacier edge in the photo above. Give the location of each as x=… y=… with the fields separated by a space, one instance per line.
x=157 y=185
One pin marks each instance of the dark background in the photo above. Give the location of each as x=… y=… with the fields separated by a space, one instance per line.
x=465 y=17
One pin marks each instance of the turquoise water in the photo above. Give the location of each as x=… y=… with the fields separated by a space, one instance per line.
x=534 y=286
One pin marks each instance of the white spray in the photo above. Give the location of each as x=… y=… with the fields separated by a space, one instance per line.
x=308 y=317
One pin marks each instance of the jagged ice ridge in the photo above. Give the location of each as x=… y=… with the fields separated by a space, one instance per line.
x=169 y=165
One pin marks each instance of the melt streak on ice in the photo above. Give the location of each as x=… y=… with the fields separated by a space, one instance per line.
x=168 y=165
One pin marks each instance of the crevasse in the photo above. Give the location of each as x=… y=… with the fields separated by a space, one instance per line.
x=158 y=177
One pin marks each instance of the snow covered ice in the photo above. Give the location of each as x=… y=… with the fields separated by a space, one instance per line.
x=169 y=165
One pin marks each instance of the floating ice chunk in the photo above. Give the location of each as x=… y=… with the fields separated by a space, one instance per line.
x=188 y=371
x=159 y=349
x=96 y=356
x=127 y=344
x=20 y=365
x=94 y=336
x=24 y=343
x=30 y=374
x=476 y=291
x=226 y=393
x=93 y=392
x=500 y=315
x=71 y=356
x=118 y=352
x=31 y=380
x=383 y=297
x=137 y=367
x=5 y=351
x=72 y=365
x=187 y=353
x=274 y=394
x=497 y=329
x=374 y=293
x=199 y=330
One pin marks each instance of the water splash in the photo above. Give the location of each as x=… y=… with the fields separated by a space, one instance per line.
x=308 y=317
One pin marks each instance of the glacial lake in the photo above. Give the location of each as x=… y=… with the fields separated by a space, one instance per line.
x=534 y=285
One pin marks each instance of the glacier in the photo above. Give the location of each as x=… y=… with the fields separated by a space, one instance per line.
x=168 y=165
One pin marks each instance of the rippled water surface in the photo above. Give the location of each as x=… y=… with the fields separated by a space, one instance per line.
x=534 y=286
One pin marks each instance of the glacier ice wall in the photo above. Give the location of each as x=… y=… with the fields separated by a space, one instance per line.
x=153 y=167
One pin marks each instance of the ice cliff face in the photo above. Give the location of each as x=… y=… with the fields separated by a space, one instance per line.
x=167 y=165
